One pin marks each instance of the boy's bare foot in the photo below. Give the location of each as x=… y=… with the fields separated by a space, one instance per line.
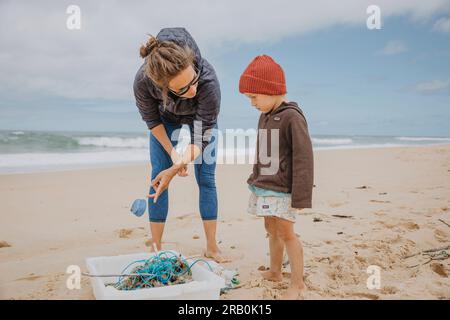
x=217 y=256
x=272 y=276
x=293 y=293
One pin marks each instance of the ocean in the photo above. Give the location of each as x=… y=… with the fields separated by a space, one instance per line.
x=33 y=151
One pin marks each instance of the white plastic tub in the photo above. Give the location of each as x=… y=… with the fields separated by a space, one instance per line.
x=206 y=284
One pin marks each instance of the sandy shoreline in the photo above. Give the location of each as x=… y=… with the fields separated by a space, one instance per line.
x=55 y=219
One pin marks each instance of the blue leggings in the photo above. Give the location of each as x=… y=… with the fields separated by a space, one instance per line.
x=204 y=174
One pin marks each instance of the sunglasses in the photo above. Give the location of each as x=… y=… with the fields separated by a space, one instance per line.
x=185 y=89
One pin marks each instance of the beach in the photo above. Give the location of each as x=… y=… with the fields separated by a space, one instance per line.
x=372 y=206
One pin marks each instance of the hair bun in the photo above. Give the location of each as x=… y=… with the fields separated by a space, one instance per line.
x=149 y=46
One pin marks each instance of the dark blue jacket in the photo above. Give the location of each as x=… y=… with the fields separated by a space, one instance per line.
x=203 y=107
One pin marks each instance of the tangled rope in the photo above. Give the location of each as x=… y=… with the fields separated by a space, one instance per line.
x=164 y=268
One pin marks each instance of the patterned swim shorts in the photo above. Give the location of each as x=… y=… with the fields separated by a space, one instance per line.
x=271 y=206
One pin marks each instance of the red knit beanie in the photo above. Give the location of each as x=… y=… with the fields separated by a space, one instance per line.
x=263 y=76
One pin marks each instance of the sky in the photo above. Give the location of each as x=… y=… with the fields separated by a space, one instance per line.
x=348 y=79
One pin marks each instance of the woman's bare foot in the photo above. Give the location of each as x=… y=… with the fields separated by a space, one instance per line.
x=294 y=293
x=148 y=243
x=152 y=245
x=272 y=276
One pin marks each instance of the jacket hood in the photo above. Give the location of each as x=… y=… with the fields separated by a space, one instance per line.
x=287 y=105
x=181 y=37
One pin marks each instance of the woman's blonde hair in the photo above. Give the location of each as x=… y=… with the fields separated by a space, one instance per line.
x=165 y=60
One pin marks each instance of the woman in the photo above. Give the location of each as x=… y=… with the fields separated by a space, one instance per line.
x=176 y=86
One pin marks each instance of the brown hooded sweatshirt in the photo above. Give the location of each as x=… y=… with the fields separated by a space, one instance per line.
x=294 y=172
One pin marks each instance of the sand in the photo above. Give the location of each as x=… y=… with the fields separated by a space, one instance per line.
x=397 y=200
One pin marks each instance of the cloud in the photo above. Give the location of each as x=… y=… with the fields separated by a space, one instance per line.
x=40 y=56
x=393 y=47
x=442 y=25
x=434 y=86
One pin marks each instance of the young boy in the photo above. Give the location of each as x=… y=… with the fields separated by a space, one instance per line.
x=282 y=180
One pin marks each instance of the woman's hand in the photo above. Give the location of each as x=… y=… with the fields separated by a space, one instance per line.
x=177 y=160
x=162 y=181
x=183 y=172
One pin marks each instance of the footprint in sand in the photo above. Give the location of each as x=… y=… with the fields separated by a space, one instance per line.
x=403 y=224
x=441 y=235
x=361 y=260
x=270 y=291
x=4 y=244
x=361 y=245
x=271 y=294
x=409 y=225
x=389 y=290
x=387 y=224
x=379 y=213
x=126 y=233
x=55 y=280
